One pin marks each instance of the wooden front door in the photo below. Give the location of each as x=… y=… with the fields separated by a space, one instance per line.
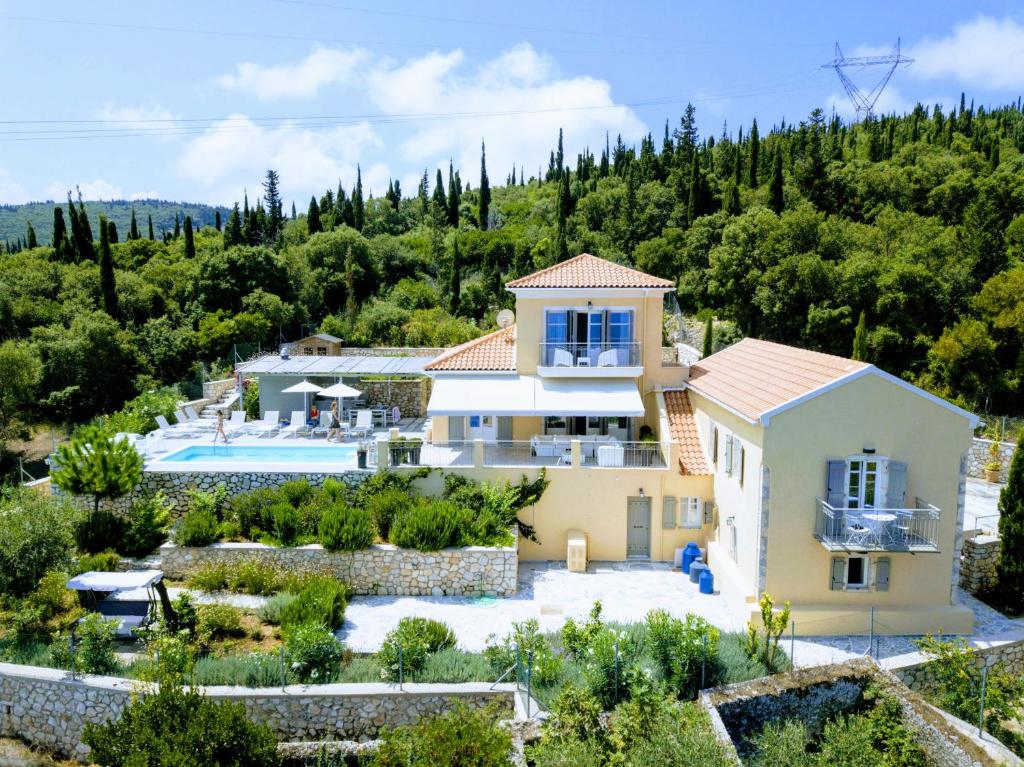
x=638 y=528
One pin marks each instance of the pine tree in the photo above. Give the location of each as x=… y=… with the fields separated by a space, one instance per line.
x=216 y=220
x=860 y=339
x=274 y=212
x=60 y=235
x=358 y=207
x=313 y=216
x=453 y=197
x=485 y=188
x=190 y=243
x=30 y=237
x=778 y=200
x=112 y=232
x=455 y=281
x=133 y=227
x=755 y=154
x=709 y=337
x=108 y=287
x=731 y=203
x=423 y=193
x=151 y=233
x=233 y=234
x=1010 y=569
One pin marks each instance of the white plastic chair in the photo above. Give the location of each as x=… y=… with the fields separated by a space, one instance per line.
x=297 y=425
x=364 y=423
x=609 y=358
x=562 y=358
x=269 y=426
x=324 y=425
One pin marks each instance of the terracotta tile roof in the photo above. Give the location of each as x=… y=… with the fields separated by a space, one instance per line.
x=494 y=351
x=683 y=429
x=587 y=271
x=753 y=376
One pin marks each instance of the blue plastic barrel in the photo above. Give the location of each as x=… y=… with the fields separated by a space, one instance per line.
x=690 y=553
x=707 y=581
x=696 y=568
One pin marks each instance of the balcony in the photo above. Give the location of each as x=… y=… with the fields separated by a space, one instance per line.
x=591 y=360
x=913 y=530
x=539 y=451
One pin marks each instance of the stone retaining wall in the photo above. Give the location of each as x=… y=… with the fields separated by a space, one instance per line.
x=977 y=457
x=47 y=709
x=915 y=670
x=410 y=395
x=978 y=559
x=383 y=570
x=176 y=484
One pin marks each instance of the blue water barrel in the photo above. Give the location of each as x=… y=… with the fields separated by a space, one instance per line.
x=707 y=581
x=696 y=568
x=690 y=553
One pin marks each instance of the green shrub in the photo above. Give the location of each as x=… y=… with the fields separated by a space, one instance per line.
x=461 y=737
x=104 y=562
x=321 y=601
x=609 y=660
x=576 y=638
x=186 y=612
x=380 y=483
x=211 y=501
x=683 y=650
x=343 y=528
x=100 y=530
x=252 y=510
x=526 y=637
x=93 y=647
x=229 y=530
x=52 y=596
x=296 y=492
x=35 y=537
x=218 y=620
x=385 y=507
x=313 y=653
x=179 y=727
x=428 y=525
x=453 y=665
x=250 y=576
x=271 y=610
x=410 y=644
x=285 y=522
x=333 y=489
x=255 y=669
x=138 y=416
x=197 y=528
x=146 y=526
x=212 y=577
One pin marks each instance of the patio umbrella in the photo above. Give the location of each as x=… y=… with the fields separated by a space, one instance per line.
x=303 y=388
x=339 y=391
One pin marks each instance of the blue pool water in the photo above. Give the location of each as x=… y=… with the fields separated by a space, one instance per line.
x=298 y=454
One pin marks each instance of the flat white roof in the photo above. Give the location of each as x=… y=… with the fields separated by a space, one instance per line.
x=533 y=395
x=350 y=364
x=101 y=581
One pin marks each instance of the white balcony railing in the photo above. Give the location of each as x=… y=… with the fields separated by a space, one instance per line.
x=616 y=354
x=542 y=451
x=915 y=529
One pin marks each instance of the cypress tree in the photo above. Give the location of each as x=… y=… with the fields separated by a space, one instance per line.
x=778 y=201
x=81 y=238
x=108 y=288
x=423 y=193
x=453 y=197
x=693 y=196
x=30 y=237
x=1010 y=569
x=112 y=232
x=216 y=220
x=133 y=227
x=755 y=154
x=709 y=337
x=83 y=220
x=151 y=233
x=439 y=198
x=559 y=156
x=313 y=216
x=351 y=305
x=60 y=234
x=294 y=214
x=177 y=226
x=860 y=339
x=485 y=187
x=455 y=281
x=190 y=243
x=272 y=200
x=358 y=207
x=233 y=232
x=731 y=204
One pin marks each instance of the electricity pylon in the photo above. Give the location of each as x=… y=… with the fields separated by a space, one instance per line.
x=864 y=103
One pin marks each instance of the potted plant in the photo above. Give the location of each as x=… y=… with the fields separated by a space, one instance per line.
x=994 y=465
x=413 y=446
x=648 y=446
x=362 y=451
x=397 y=448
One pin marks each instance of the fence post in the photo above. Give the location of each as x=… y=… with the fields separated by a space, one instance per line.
x=71 y=652
x=401 y=679
x=871 y=634
x=616 y=666
x=703 y=659
x=529 y=680
x=281 y=666
x=981 y=705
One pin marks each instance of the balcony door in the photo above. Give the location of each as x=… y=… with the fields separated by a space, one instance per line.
x=865 y=482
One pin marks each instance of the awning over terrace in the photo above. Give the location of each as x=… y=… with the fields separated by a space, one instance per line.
x=532 y=395
x=348 y=365
x=103 y=581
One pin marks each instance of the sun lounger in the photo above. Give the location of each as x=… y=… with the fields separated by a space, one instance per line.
x=364 y=423
x=176 y=431
x=269 y=426
x=237 y=425
x=297 y=425
x=323 y=427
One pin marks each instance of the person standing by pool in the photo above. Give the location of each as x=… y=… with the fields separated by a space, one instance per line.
x=220 y=428
x=335 y=431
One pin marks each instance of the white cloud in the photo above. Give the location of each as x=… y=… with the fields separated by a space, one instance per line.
x=237 y=152
x=11 y=192
x=984 y=53
x=300 y=80
x=130 y=117
x=97 y=189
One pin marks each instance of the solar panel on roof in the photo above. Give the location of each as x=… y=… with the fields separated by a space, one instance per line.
x=351 y=364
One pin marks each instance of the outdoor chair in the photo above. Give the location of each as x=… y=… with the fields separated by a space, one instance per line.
x=269 y=426
x=297 y=425
x=129 y=615
x=323 y=427
x=176 y=431
x=857 y=533
x=611 y=455
x=562 y=358
x=236 y=425
x=364 y=423
x=191 y=413
x=609 y=358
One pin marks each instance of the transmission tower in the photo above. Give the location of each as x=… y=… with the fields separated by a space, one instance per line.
x=864 y=103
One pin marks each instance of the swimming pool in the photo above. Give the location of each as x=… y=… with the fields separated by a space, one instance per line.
x=297 y=456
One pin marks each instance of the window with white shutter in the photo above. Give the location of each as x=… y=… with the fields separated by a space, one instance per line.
x=728 y=454
x=690 y=512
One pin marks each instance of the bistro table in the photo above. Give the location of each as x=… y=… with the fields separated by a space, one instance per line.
x=878 y=522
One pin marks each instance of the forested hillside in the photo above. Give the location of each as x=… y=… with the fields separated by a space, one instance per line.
x=910 y=226
x=14 y=219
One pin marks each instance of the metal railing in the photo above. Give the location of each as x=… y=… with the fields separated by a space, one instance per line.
x=527 y=453
x=616 y=454
x=451 y=453
x=878 y=529
x=594 y=355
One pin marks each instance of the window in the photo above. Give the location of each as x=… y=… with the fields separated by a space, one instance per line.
x=307 y=349
x=853 y=573
x=857 y=572
x=321 y=351
x=690 y=512
x=620 y=328
x=714 y=445
x=743 y=463
x=729 y=449
x=556 y=327
x=864 y=483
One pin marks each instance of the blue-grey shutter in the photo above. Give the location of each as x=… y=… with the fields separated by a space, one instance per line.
x=728 y=454
x=668 y=512
x=896 y=495
x=838 y=579
x=835 y=493
x=709 y=512
x=456 y=428
x=882 y=574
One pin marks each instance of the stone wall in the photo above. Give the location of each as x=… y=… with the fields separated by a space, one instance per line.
x=175 y=485
x=410 y=395
x=977 y=457
x=382 y=570
x=47 y=709
x=978 y=560
x=915 y=670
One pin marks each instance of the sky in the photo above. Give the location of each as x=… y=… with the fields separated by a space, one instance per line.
x=194 y=100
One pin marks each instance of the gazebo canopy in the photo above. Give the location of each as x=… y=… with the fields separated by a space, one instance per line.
x=339 y=390
x=102 y=581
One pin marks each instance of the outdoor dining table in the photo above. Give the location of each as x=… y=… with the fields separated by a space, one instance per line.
x=878 y=522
